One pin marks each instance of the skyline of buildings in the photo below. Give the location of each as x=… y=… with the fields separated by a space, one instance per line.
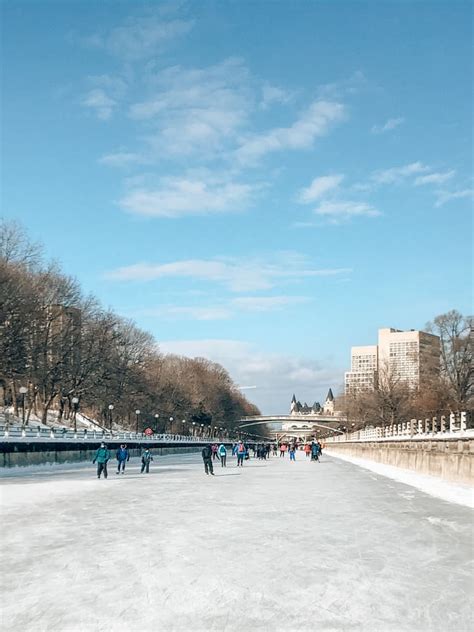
x=412 y=357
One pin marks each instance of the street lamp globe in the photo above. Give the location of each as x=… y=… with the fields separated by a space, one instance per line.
x=111 y=406
x=23 y=390
x=75 y=400
x=137 y=412
x=156 y=415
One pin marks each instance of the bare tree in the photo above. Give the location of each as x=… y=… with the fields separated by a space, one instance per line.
x=456 y=337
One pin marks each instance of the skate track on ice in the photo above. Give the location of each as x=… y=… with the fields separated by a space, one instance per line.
x=275 y=546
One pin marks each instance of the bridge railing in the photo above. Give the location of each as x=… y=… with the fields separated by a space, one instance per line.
x=18 y=433
x=442 y=427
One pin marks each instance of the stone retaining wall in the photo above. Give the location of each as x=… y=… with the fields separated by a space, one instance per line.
x=452 y=460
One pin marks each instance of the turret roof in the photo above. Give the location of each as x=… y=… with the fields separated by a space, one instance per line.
x=330 y=396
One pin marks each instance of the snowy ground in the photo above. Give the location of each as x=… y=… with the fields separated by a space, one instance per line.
x=276 y=546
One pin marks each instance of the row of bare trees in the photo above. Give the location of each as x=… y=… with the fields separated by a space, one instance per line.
x=63 y=346
x=393 y=401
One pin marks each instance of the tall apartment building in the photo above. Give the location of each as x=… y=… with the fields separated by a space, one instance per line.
x=364 y=367
x=411 y=356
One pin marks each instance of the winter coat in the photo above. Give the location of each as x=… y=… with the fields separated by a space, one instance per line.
x=101 y=456
x=207 y=452
x=122 y=454
x=315 y=449
x=222 y=450
x=146 y=457
x=241 y=449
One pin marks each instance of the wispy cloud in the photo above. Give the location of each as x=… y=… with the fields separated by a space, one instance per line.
x=100 y=103
x=120 y=159
x=319 y=187
x=196 y=111
x=398 y=174
x=315 y=122
x=388 y=126
x=103 y=95
x=227 y=309
x=449 y=196
x=178 y=197
x=434 y=178
x=238 y=275
x=267 y=303
x=275 y=375
x=341 y=210
x=139 y=37
x=273 y=94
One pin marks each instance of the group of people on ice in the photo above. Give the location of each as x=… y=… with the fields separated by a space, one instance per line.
x=261 y=451
x=122 y=455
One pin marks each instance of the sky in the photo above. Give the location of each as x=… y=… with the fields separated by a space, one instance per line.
x=261 y=183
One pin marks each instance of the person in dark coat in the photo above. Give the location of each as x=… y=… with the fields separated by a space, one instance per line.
x=207 y=458
x=102 y=455
x=122 y=455
x=146 y=459
x=315 y=450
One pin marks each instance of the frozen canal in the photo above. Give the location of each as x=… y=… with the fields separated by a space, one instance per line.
x=275 y=546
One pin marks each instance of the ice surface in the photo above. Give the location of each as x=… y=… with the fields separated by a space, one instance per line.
x=447 y=490
x=275 y=546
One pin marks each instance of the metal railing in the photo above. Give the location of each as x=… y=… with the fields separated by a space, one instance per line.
x=443 y=427
x=17 y=432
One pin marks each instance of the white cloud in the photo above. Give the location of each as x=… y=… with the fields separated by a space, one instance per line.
x=319 y=187
x=267 y=303
x=196 y=110
x=312 y=124
x=178 y=197
x=139 y=37
x=338 y=210
x=398 y=174
x=120 y=159
x=448 y=196
x=98 y=101
x=194 y=313
x=434 y=178
x=273 y=94
x=276 y=376
x=238 y=275
x=390 y=125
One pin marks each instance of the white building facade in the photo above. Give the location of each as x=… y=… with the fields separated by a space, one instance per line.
x=413 y=357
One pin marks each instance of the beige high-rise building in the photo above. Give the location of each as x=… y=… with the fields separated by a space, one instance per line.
x=411 y=356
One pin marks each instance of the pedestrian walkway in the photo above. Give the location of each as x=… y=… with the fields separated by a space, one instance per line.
x=274 y=546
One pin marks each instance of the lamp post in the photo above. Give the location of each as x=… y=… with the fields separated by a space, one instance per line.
x=23 y=391
x=194 y=428
x=137 y=415
x=184 y=423
x=156 y=416
x=171 y=424
x=202 y=430
x=75 y=403
x=111 y=407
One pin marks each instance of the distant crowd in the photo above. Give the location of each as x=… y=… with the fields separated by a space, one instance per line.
x=210 y=453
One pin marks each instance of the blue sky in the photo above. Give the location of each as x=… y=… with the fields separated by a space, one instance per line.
x=265 y=184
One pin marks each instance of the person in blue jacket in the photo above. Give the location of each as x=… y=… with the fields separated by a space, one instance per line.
x=315 y=450
x=122 y=455
x=222 y=454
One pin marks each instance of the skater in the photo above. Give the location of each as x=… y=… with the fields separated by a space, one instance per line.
x=307 y=449
x=241 y=450
x=146 y=458
x=214 y=451
x=122 y=455
x=275 y=449
x=292 y=452
x=222 y=454
x=102 y=456
x=267 y=450
x=315 y=451
x=207 y=458
x=282 y=450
